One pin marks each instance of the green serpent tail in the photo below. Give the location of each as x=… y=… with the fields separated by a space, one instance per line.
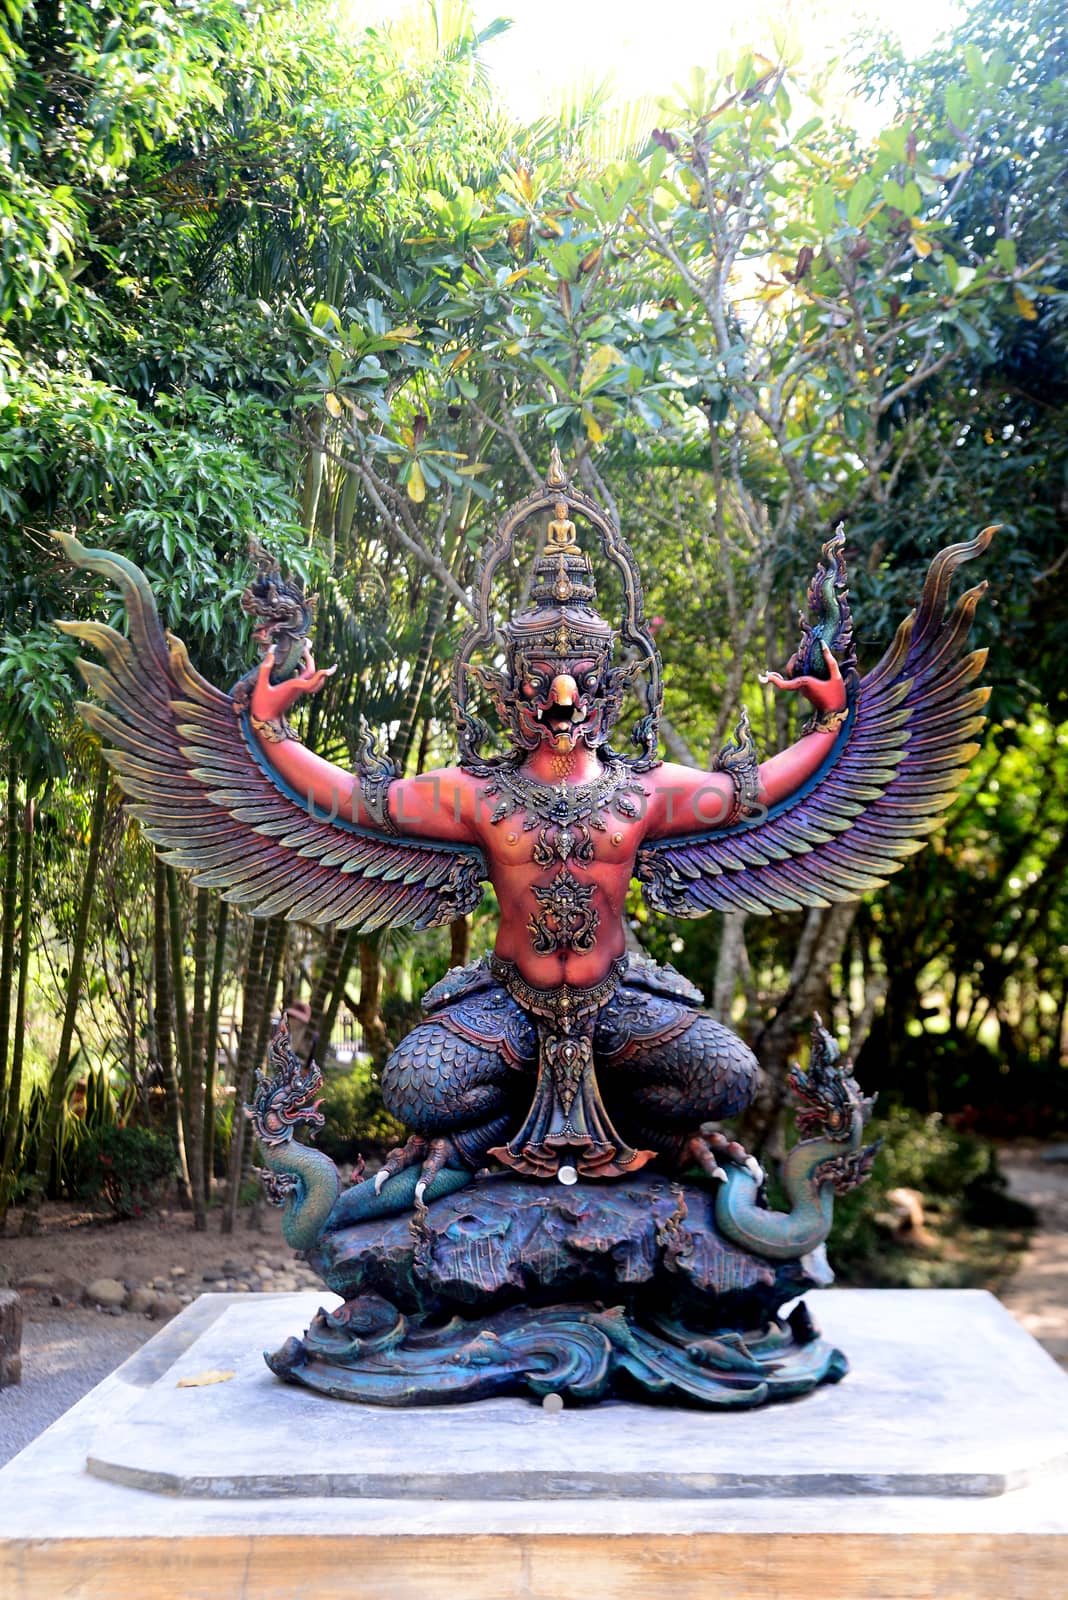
x=361 y=1202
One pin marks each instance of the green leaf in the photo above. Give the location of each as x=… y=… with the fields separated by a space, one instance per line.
x=860 y=197
x=973 y=61
x=958 y=106
x=1005 y=250
x=825 y=209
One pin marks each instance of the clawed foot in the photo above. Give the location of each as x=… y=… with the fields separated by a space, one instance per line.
x=714 y=1152
x=430 y=1155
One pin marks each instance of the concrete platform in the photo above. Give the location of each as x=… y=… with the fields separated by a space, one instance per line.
x=938 y=1467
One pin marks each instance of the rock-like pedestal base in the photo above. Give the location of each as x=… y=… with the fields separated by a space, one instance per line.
x=370 y=1352
x=515 y=1286
x=936 y=1468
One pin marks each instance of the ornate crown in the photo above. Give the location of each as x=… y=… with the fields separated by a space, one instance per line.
x=561 y=619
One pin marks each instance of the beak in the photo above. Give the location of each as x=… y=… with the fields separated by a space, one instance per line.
x=563 y=713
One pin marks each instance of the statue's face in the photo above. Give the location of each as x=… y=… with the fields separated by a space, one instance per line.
x=558 y=700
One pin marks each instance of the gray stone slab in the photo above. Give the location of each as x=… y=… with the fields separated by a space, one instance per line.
x=48 y=1499
x=947 y=1397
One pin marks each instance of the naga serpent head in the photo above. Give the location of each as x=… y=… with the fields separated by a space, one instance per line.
x=281 y=1096
x=283 y=614
x=829 y=1094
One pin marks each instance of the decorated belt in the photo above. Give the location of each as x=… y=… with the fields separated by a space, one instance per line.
x=565 y=1002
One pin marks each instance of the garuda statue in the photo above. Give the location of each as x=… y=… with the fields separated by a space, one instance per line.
x=562 y=1219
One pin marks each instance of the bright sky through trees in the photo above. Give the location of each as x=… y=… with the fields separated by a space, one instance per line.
x=555 y=49
x=648 y=49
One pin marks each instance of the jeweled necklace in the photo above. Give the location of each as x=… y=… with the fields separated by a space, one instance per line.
x=566 y=812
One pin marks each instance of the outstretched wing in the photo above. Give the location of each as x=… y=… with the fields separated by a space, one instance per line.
x=898 y=762
x=186 y=758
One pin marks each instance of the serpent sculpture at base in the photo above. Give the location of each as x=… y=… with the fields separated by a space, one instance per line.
x=562 y=1219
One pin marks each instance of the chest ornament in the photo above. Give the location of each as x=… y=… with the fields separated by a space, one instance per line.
x=566 y=815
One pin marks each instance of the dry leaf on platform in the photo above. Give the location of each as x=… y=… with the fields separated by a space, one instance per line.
x=198 y=1380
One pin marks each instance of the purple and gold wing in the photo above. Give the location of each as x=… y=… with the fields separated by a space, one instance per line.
x=185 y=757
x=898 y=762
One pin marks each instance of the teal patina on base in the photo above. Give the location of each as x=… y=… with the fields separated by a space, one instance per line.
x=370 y=1352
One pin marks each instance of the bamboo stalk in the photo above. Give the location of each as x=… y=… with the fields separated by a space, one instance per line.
x=369 y=1016
x=165 y=1015
x=181 y=1008
x=211 y=1042
x=254 y=980
x=420 y=669
x=57 y=1084
x=275 y=955
x=349 y=949
x=10 y=912
x=326 y=979
x=460 y=942
x=196 y=1061
x=14 y=1091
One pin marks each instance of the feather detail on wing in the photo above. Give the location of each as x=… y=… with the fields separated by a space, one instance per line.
x=185 y=757
x=898 y=762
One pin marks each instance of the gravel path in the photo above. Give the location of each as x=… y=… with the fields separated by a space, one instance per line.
x=1038 y=1293
x=64 y=1353
x=68 y=1347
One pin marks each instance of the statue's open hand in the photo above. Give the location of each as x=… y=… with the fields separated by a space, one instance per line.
x=270 y=701
x=826 y=694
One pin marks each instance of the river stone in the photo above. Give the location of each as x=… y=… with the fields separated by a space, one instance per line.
x=54 y=1283
x=106 y=1292
x=141 y=1301
x=45 y=1281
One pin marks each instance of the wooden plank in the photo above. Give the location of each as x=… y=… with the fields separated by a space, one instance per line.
x=746 y=1566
